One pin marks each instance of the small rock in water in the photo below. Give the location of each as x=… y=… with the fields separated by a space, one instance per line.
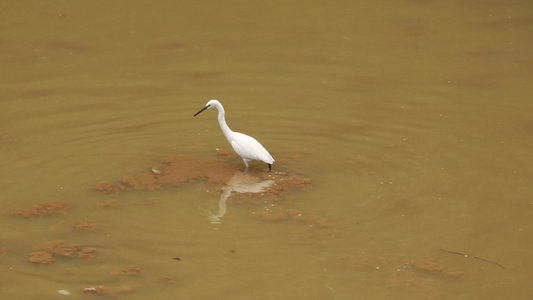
x=156 y=170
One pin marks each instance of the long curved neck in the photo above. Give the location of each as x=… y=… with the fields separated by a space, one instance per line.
x=222 y=121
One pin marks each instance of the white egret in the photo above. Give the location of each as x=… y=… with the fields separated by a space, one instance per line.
x=244 y=145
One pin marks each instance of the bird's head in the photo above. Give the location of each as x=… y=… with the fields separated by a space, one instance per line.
x=210 y=104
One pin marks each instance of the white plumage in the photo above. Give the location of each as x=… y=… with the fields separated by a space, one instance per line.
x=244 y=145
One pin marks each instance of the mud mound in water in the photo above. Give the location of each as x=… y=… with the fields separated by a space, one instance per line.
x=177 y=170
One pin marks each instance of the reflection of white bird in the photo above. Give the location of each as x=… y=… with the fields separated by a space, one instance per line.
x=244 y=145
x=239 y=183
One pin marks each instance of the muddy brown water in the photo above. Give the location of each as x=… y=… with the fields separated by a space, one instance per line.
x=398 y=129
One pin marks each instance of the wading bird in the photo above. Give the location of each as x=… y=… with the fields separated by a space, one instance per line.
x=244 y=145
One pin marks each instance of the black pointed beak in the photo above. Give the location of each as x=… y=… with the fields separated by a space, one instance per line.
x=201 y=110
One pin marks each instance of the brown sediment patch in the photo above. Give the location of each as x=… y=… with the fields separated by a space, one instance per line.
x=41 y=257
x=177 y=170
x=45 y=208
x=87 y=253
x=3 y=252
x=60 y=248
x=48 y=250
x=181 y=169
x=108 y=187
x=127 y=271
x=85 y=226
x=147 y=181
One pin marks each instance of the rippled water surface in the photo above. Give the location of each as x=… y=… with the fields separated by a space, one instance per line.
x=411 y=123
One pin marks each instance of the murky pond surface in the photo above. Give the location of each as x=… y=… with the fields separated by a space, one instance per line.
x=402 y=134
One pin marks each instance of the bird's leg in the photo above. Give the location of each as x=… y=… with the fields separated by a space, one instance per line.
x=246 y=162
x=269 y=167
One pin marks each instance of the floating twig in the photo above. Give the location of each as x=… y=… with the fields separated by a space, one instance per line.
x=472 y=256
